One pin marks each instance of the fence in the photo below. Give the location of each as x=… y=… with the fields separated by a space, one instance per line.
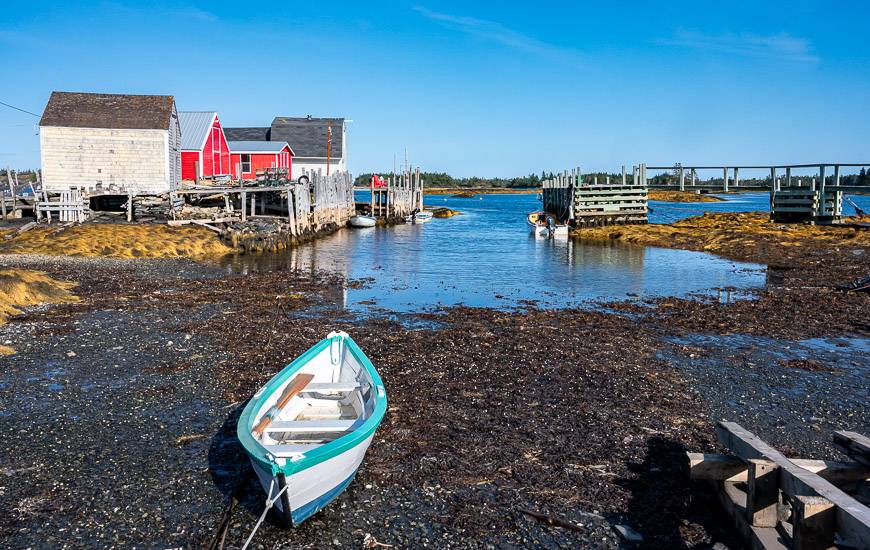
x=70 y=206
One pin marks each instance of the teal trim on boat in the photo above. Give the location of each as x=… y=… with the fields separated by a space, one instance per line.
x=317 y=455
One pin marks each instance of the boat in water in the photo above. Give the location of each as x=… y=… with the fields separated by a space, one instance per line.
x=363 y=221
x=307 y=430
x=545 y=225
x=419 y=217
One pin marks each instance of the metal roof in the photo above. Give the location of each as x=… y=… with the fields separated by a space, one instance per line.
x=195 y=128
x=257 y=146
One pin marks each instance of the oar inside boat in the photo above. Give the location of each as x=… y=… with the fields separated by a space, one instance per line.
x=309 y=427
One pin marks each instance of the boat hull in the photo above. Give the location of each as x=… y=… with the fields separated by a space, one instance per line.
x=314 y=468
x=363 y=221
x=420 y=217
x=311 y=489
x=545 y=232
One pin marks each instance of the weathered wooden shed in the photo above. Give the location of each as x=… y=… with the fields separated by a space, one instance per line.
x=110 y=143
x=253 y=157
x=204 y=149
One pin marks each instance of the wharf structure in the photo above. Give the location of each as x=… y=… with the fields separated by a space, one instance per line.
x=583 y=201
x=798 y=192
x=397 y=196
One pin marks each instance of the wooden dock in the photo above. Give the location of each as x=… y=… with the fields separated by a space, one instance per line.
x=779 y=503
x=572 y=198
x=402 y=195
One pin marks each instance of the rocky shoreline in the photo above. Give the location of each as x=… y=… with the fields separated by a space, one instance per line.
x=497 y=419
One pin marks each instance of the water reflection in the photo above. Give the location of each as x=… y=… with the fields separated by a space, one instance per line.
x=486 y=257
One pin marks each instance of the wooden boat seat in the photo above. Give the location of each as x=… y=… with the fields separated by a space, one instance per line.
x=324 y=387
x=310 y=426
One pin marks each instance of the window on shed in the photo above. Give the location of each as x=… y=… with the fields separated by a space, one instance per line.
x=246 y=163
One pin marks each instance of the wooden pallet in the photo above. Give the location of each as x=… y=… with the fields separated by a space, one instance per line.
x=777 y=502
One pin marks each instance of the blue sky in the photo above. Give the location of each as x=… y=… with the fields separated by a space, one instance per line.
x=489 y=89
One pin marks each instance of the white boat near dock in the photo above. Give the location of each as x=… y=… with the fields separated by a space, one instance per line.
x=544 y=225
x=363 y=221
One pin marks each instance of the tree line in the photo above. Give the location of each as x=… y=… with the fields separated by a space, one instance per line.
x=442 y=179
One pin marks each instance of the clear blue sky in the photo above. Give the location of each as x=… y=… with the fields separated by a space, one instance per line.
x=490 y=89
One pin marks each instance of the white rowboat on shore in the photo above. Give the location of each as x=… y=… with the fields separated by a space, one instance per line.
x=307 y=430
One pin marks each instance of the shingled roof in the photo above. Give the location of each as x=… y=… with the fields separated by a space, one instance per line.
x=307 y=136
x=247 y=134
x=82 y=110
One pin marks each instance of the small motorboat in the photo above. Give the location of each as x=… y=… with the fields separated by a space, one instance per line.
x=363 y=221
x=307 y=430
x=545 y=225
x=419 y=217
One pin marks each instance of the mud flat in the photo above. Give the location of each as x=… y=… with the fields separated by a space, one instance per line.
x=579 y=415
x=682 y=196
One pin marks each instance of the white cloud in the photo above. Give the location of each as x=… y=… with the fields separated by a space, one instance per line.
x=781 y=46
x=498 y=33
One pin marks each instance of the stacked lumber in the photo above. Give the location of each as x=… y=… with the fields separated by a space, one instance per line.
x=778 y=502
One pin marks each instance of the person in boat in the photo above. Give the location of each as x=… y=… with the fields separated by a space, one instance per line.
x=542 y=219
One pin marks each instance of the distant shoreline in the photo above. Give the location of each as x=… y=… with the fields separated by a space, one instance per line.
x=481 y=190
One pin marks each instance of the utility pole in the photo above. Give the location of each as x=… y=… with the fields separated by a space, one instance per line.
x=328 y=144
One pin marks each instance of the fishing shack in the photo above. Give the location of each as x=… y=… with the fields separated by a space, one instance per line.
x=110 y=143
x=204 y=149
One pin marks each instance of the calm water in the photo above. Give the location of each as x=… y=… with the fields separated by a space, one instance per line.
x=486 y=257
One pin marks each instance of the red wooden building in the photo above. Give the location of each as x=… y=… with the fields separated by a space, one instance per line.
x=204 y=149
x=257 y=156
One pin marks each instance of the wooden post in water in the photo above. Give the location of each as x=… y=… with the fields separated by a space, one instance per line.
x=772 y=185
x=788 y=176
x=3 y=195
x=244 y=210
x=129 y=205
x=725 y=180
x=822 y=190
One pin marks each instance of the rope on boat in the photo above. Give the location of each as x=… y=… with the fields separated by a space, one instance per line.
x=269 y=503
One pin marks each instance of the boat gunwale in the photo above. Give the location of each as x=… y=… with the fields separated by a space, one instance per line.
x=258 y=452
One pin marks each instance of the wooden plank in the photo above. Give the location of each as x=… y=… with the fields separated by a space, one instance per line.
x=855 y=445
x=853 y=518
x=814 y=523
x=730 y=468
x=207 y=225
x=762 y=493
x=293 y=388
x=758 y=538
